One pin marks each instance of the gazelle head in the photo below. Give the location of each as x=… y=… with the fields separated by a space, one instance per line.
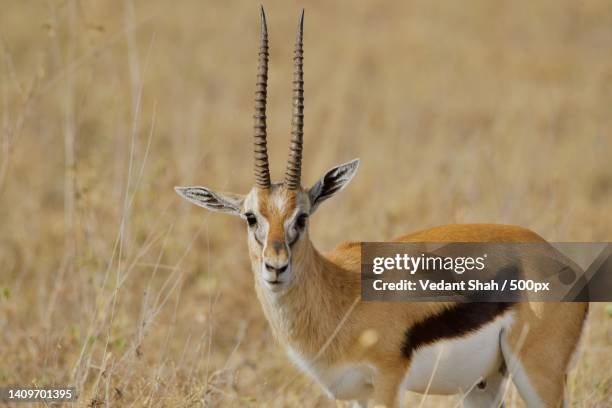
x=276 y=213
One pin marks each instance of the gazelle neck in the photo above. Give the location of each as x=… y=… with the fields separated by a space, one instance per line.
x=306 y=315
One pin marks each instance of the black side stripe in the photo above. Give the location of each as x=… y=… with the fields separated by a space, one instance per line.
x=457 y=321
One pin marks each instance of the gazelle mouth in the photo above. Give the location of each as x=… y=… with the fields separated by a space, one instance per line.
x=276 y=285
x=274 y=282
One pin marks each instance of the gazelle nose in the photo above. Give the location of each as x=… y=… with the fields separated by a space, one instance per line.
x=277 y=269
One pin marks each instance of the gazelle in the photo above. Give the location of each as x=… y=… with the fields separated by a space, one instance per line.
x=376 y=350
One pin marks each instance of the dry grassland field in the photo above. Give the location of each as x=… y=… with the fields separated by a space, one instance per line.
x=471 y=111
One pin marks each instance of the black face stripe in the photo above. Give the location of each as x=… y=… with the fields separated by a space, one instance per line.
x=457 y=321
x=257 y=238
x=295 y=239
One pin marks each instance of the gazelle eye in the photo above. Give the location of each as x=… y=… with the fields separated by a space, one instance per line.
x=251 y=219
x=300 y=222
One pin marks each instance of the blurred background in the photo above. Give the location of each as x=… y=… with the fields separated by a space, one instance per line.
x=473 y=111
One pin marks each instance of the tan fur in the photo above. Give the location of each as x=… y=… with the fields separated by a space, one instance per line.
x=327 y=287
x=354 y=348
x=276 y=215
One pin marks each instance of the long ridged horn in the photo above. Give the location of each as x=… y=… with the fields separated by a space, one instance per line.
x=262 y=167
x=294 y=164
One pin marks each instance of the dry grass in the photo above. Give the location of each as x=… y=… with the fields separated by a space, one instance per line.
x=462 y=112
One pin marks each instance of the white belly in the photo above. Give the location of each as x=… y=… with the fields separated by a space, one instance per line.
x=456 y=365
x=452 y=366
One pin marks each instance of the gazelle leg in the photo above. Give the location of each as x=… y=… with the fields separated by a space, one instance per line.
x=537 y=352
x=387 y=386
x=538 y=386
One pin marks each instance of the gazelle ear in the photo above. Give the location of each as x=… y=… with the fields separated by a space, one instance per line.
x=204 y=197
x=332 y=182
